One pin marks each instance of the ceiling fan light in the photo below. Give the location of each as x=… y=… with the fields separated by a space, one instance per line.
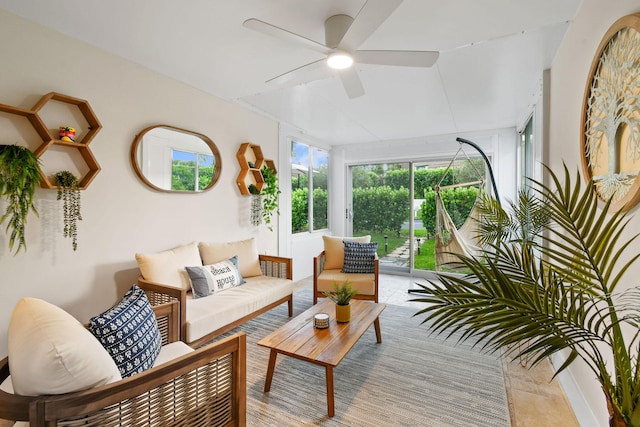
x=340 y=60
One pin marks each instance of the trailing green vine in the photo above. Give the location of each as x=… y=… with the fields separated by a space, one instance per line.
x=69 y=192
x=270 y=193
x=19 y=177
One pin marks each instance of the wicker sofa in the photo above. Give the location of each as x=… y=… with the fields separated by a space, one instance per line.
x=185 y=387
x=267 y=285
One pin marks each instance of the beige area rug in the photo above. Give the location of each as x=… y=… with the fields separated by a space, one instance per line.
x=410 y=379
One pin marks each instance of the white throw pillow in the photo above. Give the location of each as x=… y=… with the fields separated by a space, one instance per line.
x=50 y=352
x=208 y=279
x=167 y=267
x=334 y=250
x=246 y=250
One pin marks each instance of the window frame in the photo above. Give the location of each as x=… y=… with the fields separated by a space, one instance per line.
x=197 y=157
x=311 y=149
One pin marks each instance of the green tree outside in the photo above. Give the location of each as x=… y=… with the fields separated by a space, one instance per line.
x=183 y=175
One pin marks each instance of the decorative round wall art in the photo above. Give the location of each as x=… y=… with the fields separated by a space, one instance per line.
x=610 y=134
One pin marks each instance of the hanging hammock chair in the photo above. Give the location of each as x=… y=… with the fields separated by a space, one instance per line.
x=452 y=241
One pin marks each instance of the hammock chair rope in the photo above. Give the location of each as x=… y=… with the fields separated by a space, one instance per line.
x=449 y=239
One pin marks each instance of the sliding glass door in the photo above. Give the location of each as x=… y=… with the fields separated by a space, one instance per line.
x=395 y=203
x=380 y=206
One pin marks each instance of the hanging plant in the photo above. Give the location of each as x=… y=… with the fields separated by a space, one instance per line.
x=255 y=215
x=270 y=193
x=69 y=192
x=19 y=177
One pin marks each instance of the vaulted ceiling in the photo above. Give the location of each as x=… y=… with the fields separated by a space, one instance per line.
x=492 y=54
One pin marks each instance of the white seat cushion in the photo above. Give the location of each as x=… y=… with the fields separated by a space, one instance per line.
x=364 y=283
x=50 y=352
x=168 y=267
x=172 y=351
x=205 y=315
x=246 y=250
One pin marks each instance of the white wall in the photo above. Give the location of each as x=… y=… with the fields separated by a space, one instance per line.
x=121 y=216
x=568 y=80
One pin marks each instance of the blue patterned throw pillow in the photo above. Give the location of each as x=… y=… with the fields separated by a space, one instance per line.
x=129 y=332
x=359 y=257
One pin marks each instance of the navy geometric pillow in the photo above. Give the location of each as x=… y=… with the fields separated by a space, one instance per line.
x=359 y=257
x=129 y=332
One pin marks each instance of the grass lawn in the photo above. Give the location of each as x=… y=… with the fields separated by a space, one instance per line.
x=424 y=261
x=427 y=258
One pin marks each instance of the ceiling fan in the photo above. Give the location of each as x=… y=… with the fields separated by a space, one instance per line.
x=343 y=35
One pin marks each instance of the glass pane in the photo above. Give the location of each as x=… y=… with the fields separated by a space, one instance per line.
x=183 y=171
x=206 y=169
x=299 y=187
x=320 y=189
x=526 y=154
x=406 y=229
x=381 y=208
x=458 y=200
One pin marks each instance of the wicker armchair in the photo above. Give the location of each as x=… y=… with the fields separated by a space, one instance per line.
x=328 y=265
x=206 y=387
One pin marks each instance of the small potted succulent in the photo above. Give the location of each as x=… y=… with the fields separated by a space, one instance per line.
x=342 y=295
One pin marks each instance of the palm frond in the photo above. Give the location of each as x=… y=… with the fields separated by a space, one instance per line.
x=547 y=280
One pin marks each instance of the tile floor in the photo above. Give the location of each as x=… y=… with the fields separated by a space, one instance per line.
x=534 y=400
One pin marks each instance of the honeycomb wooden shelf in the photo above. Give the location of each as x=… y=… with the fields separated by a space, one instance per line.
x=49 y=136
x=251 y=160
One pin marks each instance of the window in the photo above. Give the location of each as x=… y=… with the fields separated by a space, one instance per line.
x=309 y=190
x=190 y=171
x=526 y=154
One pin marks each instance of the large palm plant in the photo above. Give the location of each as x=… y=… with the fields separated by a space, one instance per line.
x=550 y=280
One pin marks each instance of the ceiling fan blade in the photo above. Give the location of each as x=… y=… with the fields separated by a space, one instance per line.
x=370 y=17
x=351 y=82
x=402 y=58
x=299 y=73
x=282 y=34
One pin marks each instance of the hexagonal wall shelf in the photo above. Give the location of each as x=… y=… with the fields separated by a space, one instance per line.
x=83 y=106
x=49 y=139
x=249 y=152
x=37 y=125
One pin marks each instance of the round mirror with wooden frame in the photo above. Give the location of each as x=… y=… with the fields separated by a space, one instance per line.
x=171 y=159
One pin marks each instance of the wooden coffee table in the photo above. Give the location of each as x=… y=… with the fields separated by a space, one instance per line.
x=325 y=347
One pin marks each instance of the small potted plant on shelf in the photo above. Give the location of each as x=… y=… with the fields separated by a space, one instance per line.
x=19 y=177
x=69 y=193
x=342 y=295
